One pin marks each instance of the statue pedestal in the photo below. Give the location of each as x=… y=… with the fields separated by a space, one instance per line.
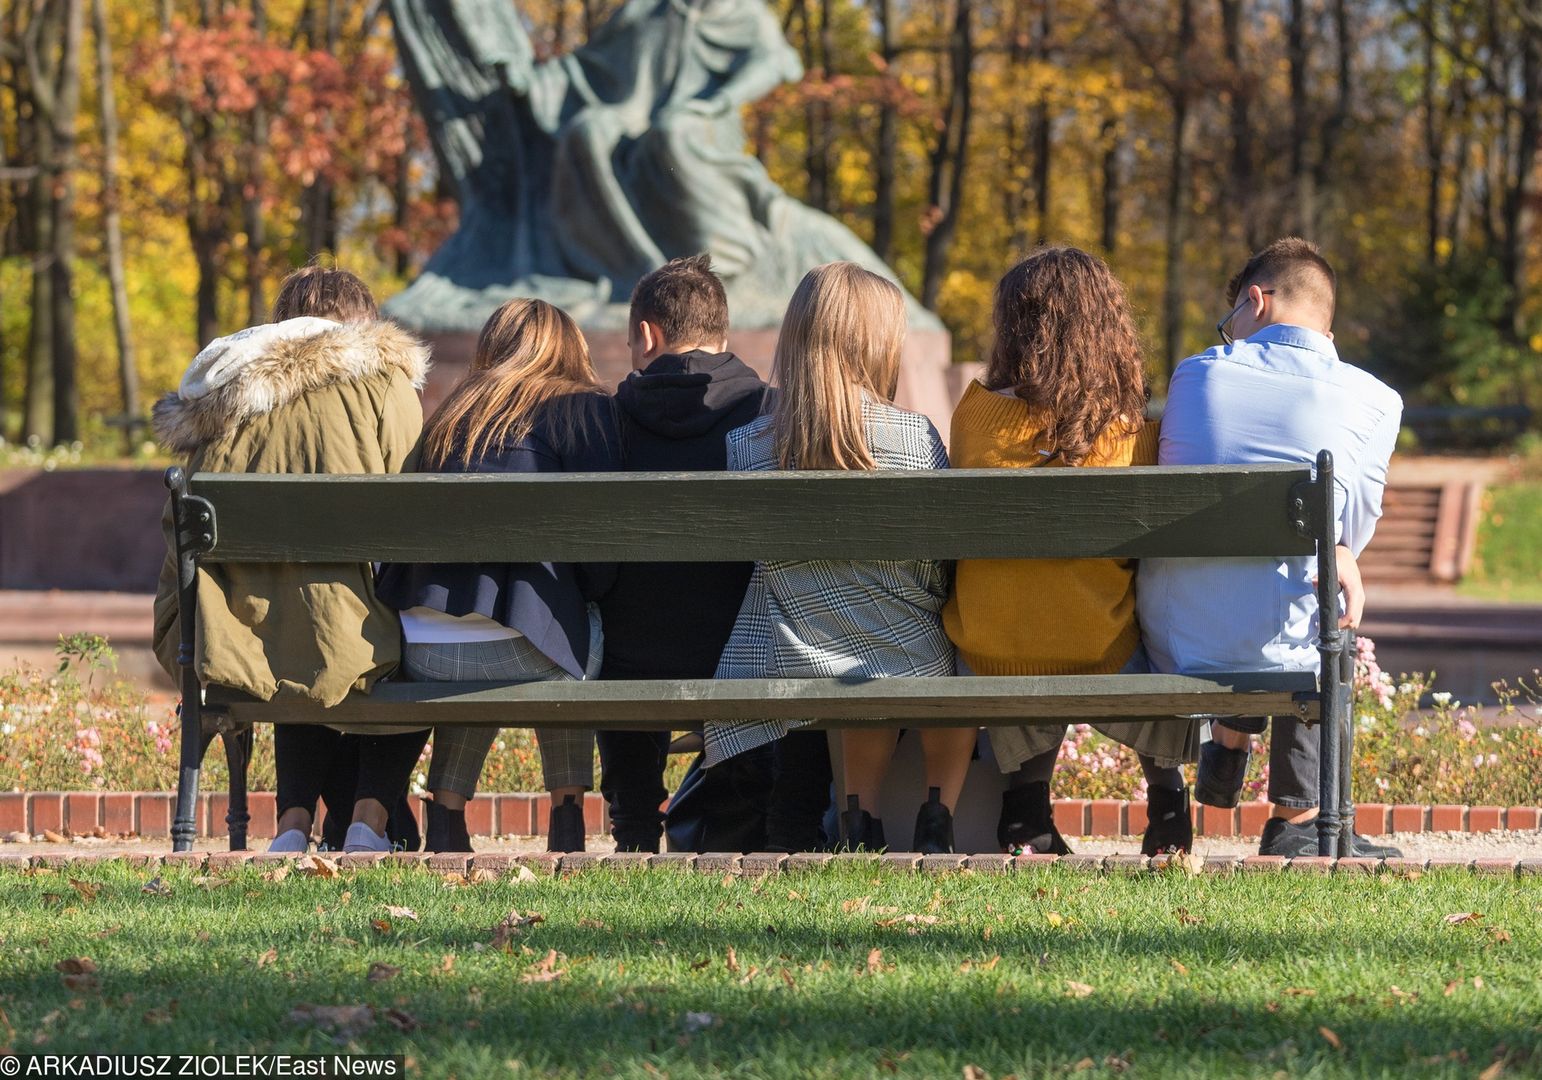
x=929 y=382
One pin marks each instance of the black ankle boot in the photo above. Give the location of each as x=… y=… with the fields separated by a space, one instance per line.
x=1169 y=828
x=863 y=832
x=565 y=830
x=446 y=830
x=934 y=826
x=1027 y=822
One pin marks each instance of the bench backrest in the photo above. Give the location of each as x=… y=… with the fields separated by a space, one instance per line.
x=1183 y=512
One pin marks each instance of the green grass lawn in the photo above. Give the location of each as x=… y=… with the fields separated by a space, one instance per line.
x=1509 y=557
x=819 y=974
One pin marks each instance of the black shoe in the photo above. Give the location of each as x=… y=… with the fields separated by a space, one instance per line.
x=1218 y=781
x=565 y=830
x=1169 y=827
x=446 y=830
x=1295 y=840
x=1027 y=822
x=863 y=832
x=934 y=826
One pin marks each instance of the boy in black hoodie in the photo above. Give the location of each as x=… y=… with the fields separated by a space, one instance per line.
x=671 y=620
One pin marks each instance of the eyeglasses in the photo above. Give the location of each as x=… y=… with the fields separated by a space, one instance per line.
x=1220 y=327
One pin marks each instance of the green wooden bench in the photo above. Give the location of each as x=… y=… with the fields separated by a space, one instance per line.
x=1209 y=512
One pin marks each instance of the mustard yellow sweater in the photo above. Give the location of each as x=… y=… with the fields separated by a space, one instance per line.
x=1039 y=616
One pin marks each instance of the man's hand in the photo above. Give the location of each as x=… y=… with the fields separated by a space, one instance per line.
x=1352 y=587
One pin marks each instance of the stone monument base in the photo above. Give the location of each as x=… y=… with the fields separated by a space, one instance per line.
x=929 y=382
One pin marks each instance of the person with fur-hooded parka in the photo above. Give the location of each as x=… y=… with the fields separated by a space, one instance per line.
x=303 y=395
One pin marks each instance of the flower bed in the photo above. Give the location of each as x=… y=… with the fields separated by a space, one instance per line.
x=81 y=729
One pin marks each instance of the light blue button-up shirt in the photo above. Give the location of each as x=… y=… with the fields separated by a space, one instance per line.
x=1280 y=396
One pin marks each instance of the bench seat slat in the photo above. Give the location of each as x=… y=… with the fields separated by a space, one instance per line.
x=1182 y=512
x=658 y=704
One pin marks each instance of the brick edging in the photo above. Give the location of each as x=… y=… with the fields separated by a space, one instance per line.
x=130 y=813
x=765 y=864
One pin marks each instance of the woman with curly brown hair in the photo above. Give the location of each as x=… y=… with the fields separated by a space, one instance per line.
x=1065 y=387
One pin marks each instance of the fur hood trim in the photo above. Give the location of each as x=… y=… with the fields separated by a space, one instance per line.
x=289 y=369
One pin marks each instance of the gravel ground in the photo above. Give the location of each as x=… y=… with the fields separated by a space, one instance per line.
x=1429 y=845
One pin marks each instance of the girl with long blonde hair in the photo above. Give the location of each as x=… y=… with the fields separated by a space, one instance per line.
x=837 y=368
x=531 y=403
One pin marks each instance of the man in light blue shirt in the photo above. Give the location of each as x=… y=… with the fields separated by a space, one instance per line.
x=1277 y=392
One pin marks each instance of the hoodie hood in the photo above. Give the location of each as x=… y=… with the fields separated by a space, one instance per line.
x=265 y=368
x=683 y=395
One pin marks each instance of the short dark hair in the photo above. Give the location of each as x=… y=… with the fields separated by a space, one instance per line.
x=1295 y=269
x=685 y=300
x=324 y=293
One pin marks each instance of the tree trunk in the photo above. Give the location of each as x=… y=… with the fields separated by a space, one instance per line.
x=1113 y=182
x=1042 y=128
x=1174 y=267
x=1518 y=196
x=251 y=198
x=1304 y=210
x=1241 y=173
x=949 y=156
x=1331 y=131
x=815 y=164
x=128 y=373
x=318 y=211
x=1434 y=141
x=888 y=137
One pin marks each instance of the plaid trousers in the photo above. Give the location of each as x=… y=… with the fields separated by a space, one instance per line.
x=567 y=754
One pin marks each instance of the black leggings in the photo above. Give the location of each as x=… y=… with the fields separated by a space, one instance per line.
x=306 y=758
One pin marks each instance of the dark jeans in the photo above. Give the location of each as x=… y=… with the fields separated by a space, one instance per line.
x=312 y=760
x=1293 y=747
x=632 y=781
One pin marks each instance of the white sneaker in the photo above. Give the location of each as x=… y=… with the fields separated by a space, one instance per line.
x=362 y=838
x=290 y=842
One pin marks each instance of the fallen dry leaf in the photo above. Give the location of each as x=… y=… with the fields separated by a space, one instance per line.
x=514 y=924
x=156 y=887
x=546 y=971
x=1451 y=986
x=277 y=874
x=158 y=1016
x=401 y=912
x=1332 y=1037
x=447 y=964
x=380 y=926
x=56 y=837
x=269 y=957
x=379 y=972
x=1300 y=991
x=974 y=1072
x=700 y=964
x=1187 y=918
x=401 y=1020
x=1498 y=935
x=1179 y=968
x=345 y=1020
x=1494 y=1071
x=86 y=889
x=1077 y=989
x=1186 y=861
x=875 y=961
x=76 y=965
x=316 y=866
x=909 y=920
x=1460 y=917
x=732 y=960
x=1054 y=918
x=209 y=881
x=524 y=873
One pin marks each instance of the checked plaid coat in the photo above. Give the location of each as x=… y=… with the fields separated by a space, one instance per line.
x=825 y=618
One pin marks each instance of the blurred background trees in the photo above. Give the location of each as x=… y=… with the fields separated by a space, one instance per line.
x=163 y=163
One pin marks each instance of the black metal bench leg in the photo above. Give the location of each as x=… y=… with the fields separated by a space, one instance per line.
x=1347 y=753
x=1330 y=649
x=195 y=743
x=238 y=757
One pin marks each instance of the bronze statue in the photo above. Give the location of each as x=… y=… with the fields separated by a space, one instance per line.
x=579 y=174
